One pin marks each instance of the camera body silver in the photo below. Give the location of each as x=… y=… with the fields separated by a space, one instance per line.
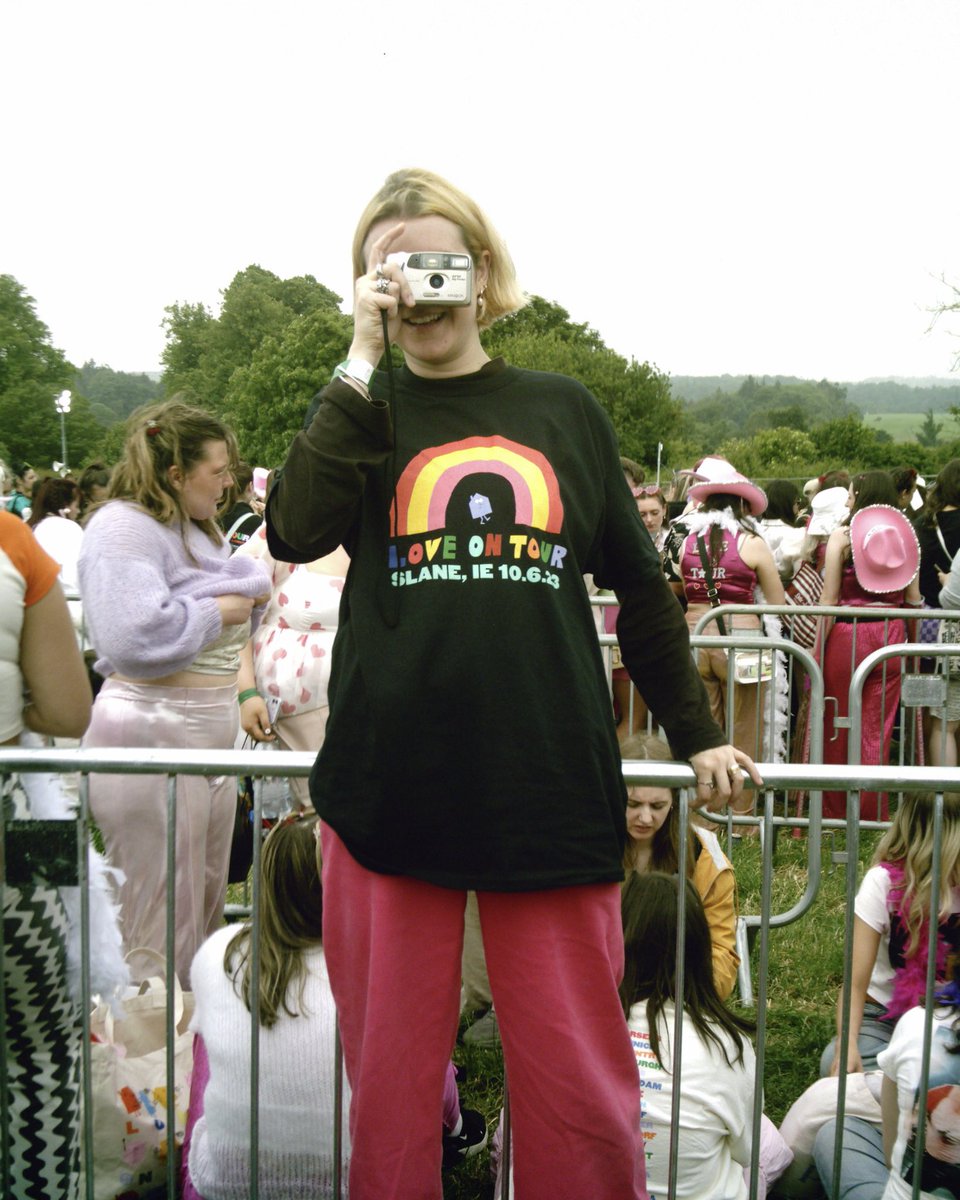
x=437 y=276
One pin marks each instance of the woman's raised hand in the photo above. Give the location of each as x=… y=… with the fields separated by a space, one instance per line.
x=382 y=289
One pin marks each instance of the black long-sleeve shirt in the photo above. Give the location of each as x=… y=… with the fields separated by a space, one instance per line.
x=470 y=741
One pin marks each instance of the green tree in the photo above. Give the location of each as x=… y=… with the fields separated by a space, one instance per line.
x=846 y=442
x=929 y=432
x=204 y=351
x=636 y=395
x=114 y=395
x=32 y=373
x=268 y=399
x=539 y=318
x=771 y=452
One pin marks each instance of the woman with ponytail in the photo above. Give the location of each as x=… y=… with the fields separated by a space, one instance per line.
x=168 y=611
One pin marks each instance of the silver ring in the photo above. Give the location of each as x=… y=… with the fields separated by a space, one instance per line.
x=705 y=782
x=383 y=284
x=735 y=769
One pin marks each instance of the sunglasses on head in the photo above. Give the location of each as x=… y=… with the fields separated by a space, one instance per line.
x=650 y=489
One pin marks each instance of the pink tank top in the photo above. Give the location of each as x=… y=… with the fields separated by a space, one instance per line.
x=733 y=579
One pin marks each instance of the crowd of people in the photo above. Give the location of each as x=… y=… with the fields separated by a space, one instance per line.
x=410 y=599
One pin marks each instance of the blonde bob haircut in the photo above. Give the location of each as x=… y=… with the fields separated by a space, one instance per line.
x=417 y=193
x=909 y=844
x=161 y=436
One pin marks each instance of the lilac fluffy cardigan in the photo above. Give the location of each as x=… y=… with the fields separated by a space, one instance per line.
x=149 y=608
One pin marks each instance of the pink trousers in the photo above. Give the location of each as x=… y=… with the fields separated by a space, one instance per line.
x=131 y=812
x=393 y=948
x=878 y=711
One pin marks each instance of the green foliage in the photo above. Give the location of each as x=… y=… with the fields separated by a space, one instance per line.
x=189 y=332
x=32 y=373
x=770 y=453
x=759 y=404
x=929 y=431
x=114 y=395
x=845 y=440
x=539 y=318
x=636 y=396
x=893 y=396
x=203 y=351
x=872 y=395
x=267 y=400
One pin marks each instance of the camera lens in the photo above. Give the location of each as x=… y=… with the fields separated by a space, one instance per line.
x=436 y=282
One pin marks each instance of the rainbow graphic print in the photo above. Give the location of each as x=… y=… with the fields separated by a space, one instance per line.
x=426 y=485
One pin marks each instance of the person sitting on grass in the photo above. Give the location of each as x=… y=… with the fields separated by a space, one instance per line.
x=298 y=1021
x=653 y=844
x=884 y=1159
x=890 y=928
x=716 y=1070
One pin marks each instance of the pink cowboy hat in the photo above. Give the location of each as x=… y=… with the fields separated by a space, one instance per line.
x=725 y=478
x=886 y=555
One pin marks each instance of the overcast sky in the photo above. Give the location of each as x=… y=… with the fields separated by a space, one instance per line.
x=715 y=185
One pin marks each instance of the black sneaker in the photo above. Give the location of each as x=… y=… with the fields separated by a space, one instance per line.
x=469 y=1141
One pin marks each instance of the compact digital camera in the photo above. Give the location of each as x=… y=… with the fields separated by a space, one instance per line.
x=436 y=277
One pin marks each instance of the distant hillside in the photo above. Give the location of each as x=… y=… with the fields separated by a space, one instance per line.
x=890 y=395
x=870 y=395
x=113 y=395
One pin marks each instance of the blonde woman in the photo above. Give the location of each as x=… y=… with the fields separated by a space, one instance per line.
x=891 y=928
x=168 y=611
x=469 y=709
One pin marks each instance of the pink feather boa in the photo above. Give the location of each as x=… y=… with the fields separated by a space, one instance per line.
x=910 y=979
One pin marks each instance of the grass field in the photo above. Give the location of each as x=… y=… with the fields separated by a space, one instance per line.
x=904 y=426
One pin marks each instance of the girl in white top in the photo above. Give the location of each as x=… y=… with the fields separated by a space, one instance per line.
x=900 y=1101
x=890 y=928
x=717 y=1068
x=297 y=1033
x=56 y=506
x=883 y=1160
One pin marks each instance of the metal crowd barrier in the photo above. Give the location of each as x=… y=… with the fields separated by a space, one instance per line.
x=777 y=777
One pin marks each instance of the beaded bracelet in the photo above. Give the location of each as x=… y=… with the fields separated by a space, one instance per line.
x=247 y=694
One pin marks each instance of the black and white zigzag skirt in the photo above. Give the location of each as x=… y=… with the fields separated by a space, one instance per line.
x=42 y=1034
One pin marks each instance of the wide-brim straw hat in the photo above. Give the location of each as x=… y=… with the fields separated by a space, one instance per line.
x=827 y=509
x=886 y=554
x=723 y=477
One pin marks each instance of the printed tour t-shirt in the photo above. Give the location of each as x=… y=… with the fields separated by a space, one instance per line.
x=939 y=1160
x=470 y=741
x=716 y=1104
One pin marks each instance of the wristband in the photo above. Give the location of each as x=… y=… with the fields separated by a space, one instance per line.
x=357 y=369
x=247 y=694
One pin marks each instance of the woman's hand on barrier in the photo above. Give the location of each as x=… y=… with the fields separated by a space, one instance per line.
x=720 y=774
x=234 y=609
x=255 y=721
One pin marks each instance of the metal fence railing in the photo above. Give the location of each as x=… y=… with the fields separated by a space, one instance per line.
x=778 y=779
